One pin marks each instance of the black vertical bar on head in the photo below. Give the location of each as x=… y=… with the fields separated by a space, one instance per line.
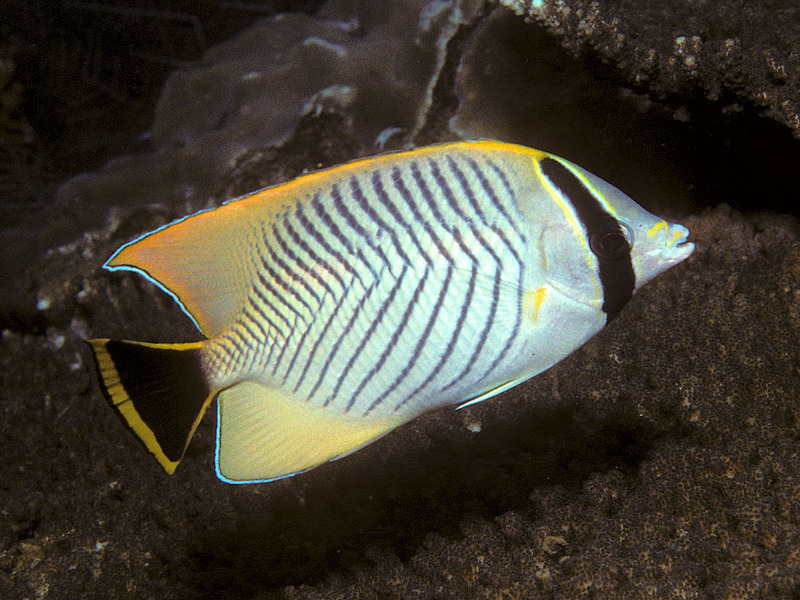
x=617 y=276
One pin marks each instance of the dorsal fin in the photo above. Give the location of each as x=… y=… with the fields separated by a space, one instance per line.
x=204 y=261
x=207 y=261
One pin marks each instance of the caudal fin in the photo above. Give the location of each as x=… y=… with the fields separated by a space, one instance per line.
x=159 y=390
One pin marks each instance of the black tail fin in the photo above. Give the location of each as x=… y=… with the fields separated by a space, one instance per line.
x=159 y=390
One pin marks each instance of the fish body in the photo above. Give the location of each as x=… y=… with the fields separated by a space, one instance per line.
x=345 y=303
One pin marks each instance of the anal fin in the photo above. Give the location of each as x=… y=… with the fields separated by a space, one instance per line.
x=263 y=433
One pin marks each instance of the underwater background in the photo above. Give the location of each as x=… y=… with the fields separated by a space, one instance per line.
x=660 y=460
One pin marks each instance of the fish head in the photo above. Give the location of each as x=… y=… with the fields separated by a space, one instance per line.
x=657 y=248
x=653 y=244
x=618 y=245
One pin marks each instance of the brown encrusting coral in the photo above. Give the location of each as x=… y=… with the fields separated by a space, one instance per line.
x=660 y=460
x=731 y=52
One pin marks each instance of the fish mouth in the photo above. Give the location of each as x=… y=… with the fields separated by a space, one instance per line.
x=678 y=247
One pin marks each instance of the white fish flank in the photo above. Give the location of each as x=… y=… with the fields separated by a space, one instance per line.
x=391 y=291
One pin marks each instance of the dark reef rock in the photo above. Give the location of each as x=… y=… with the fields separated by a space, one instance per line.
x=722 y=51
x=661 y=460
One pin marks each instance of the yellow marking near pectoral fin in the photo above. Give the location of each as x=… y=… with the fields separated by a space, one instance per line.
x=264 y=433
x=532 y=302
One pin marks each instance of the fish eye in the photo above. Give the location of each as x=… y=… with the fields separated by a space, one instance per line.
x=613 y=239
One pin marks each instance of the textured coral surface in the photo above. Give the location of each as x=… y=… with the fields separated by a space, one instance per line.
x=661 y=460
x=728 y=51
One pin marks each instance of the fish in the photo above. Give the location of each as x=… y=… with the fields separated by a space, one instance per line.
x=341 y=305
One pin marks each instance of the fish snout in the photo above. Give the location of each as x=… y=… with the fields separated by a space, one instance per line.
x=677 y=247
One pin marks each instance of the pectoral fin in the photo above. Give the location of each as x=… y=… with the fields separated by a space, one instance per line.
x=492 y=392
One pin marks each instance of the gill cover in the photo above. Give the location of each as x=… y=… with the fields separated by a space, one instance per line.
x=603 y=239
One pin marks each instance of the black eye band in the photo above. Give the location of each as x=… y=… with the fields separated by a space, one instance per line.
x=612 y=240
x=606 y=237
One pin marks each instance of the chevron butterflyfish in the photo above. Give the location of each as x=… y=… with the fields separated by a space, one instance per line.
x=342 y=304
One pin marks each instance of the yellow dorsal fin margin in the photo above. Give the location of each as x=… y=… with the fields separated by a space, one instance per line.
x=207 y=261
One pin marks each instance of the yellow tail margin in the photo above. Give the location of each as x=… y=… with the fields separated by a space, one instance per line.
x=159 y=390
